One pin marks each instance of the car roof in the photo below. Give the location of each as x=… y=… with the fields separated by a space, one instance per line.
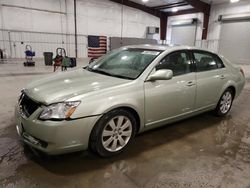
x=171 y=47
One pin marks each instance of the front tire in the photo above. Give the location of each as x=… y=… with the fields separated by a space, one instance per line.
x=225 y=103
x=113 y=133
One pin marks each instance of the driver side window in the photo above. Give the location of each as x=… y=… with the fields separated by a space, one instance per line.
x=178 y=62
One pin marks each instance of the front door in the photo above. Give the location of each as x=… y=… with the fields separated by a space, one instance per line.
x=166 y=99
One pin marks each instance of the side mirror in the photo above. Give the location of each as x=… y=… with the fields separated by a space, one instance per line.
x=163 y=74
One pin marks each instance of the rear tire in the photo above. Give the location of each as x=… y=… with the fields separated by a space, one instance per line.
x=225 y=103
x=113 y=133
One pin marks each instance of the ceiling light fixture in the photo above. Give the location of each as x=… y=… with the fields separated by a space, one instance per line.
x=144 y=1
x=174 y=9
x=234 y=1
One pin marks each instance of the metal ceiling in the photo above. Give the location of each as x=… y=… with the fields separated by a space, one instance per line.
x=154 y=3
x=168 y=5
x=186 y=7
x=216 y=1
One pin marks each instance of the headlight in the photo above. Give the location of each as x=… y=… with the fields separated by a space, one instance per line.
x=59 y=111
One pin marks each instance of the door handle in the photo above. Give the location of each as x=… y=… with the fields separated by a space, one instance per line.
x=222 y=77
x=190 y=83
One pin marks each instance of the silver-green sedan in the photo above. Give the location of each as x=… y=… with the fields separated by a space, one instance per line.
x=136 y=88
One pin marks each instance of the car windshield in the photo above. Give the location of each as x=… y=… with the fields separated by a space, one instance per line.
x=124 y=63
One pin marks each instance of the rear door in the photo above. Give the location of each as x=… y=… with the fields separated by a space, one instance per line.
x=211 y=75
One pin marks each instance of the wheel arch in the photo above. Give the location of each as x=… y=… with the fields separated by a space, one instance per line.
x=229 y=85
x=133 y=111
x=136 y=115
x=233 y=89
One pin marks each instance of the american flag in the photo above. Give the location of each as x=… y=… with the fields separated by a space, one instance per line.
x=97 y=46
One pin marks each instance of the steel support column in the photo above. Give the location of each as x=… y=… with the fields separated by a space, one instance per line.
x=163 y=26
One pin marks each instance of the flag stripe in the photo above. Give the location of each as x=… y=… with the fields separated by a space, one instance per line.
x=100 y=48
x=100 y=52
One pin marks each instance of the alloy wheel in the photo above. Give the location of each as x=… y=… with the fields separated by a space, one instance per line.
x=116 y=133
x=226 y=102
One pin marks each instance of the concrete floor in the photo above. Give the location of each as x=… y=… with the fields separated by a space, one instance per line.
x=204 y=151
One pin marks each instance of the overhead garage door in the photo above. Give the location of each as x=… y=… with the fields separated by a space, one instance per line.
x=184 y=34
x=235 y=41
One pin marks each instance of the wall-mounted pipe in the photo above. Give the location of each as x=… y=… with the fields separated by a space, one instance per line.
x=76 y=50
x=37 y=9
x=234 y=17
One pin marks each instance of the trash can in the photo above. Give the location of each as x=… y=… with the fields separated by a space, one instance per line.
x=72 y=62
x=1 y=54
x=48 y=58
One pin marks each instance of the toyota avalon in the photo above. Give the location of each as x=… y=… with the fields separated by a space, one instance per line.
x=130 y=90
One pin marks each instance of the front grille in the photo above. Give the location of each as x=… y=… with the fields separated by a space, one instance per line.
x=27 y=105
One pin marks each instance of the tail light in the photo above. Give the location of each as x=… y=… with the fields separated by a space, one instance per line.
x=241 y=70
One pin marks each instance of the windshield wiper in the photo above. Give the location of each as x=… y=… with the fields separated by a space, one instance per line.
x=99 y=71
x=120 y=76
x=106 y=73
x=85 y=67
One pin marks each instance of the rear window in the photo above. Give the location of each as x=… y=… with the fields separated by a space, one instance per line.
x=206 y=61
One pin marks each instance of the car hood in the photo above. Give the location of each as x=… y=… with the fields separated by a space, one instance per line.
x=66 y=85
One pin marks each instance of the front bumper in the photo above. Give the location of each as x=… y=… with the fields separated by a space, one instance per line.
x=54 y=137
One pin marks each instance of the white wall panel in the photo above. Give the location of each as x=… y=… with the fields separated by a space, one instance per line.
x=94 y=17
x=1 y=18
x=17 y=19
x=32 y=20
x=52 y=5
x=1 y=37
x=104 y=18
x=16 y=2
x=134 y=30
x=48 y=22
